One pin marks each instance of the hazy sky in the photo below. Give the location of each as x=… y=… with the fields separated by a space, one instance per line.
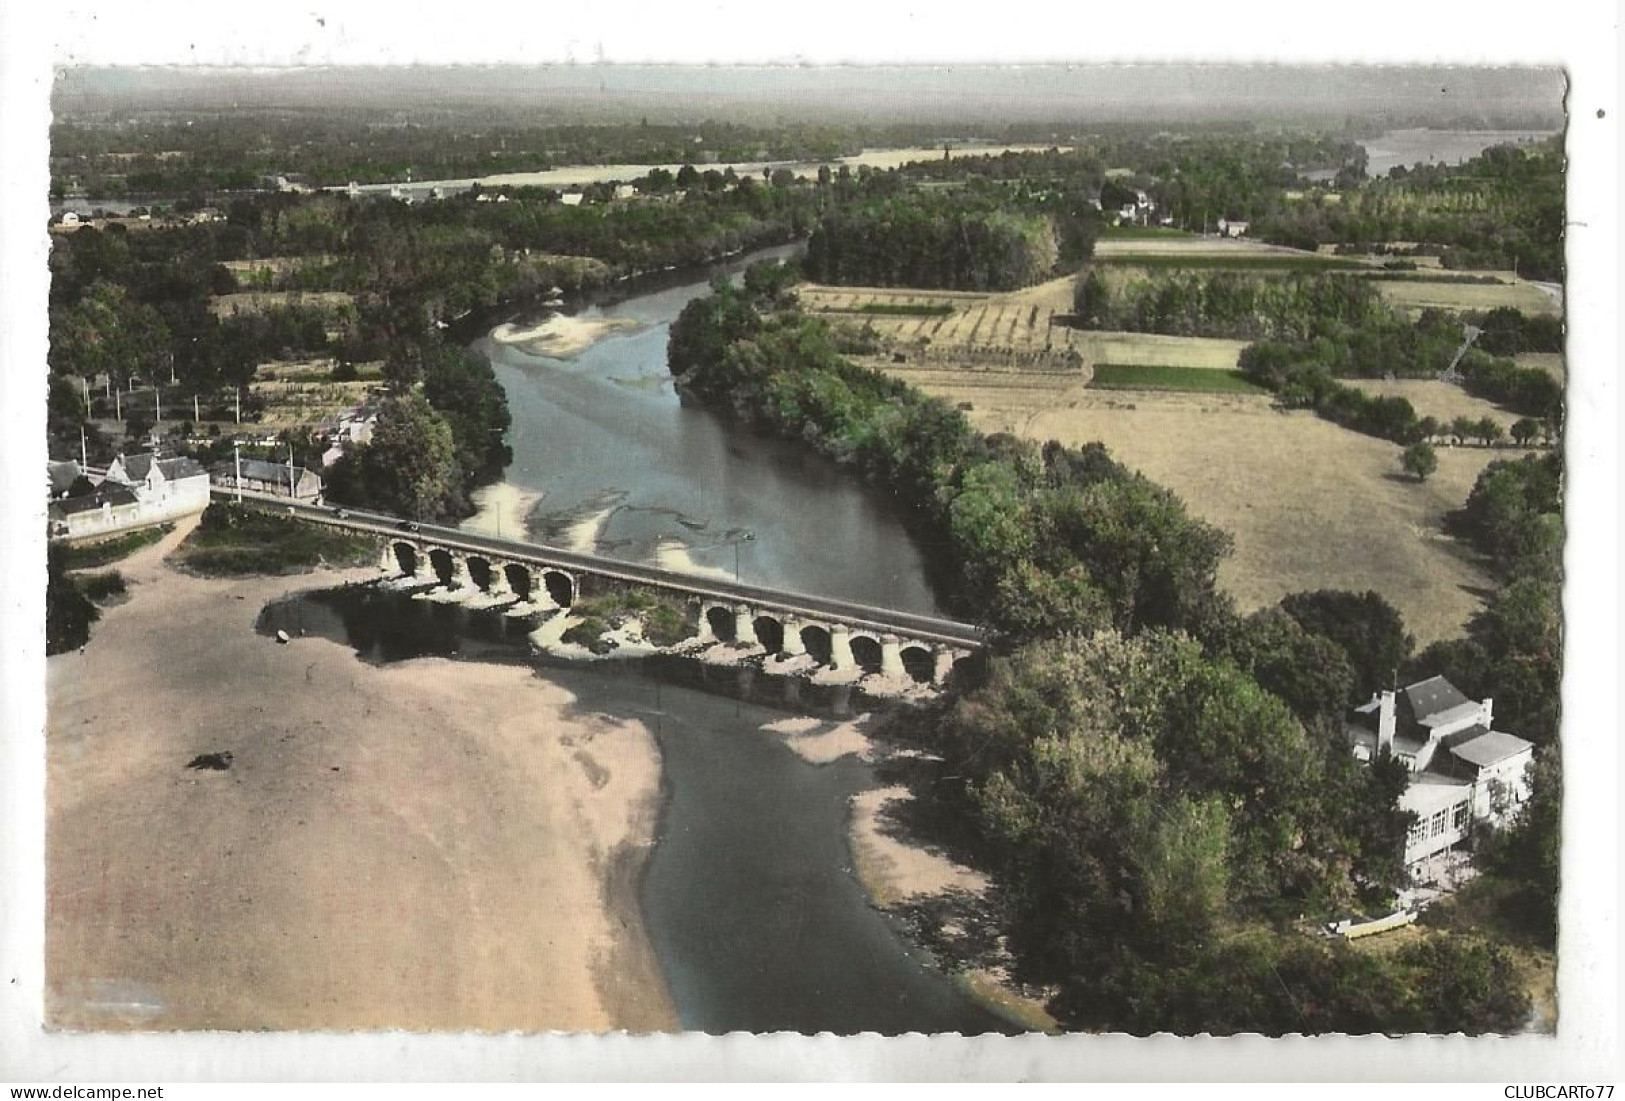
x=994 y=93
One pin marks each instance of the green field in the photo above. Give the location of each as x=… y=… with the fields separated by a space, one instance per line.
x=1124 y=376
x=86 y=556
x=233 y=540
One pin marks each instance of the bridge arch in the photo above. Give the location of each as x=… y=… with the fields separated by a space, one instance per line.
x=560 y=586
x=815 y=640
x=519 y=580
x=480 y=572
x=867 y=653
x=720 y=618
x=920 y=663
x=770 y=633
x=406 y=555
x=443 y=564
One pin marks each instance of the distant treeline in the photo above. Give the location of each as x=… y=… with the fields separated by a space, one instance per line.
x=1228 y=304
x=1500 y=210
x=918 y=239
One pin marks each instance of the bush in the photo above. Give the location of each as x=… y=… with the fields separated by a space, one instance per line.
x=102 y=587
x=233 y=540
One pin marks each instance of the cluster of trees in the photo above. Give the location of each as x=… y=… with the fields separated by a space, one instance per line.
x=1161 y=785
x=439 y=435
x=69 y=613
x=1508 y=331
x=1157 y=821
x=1514 y=647
x=922 y=239
x=1500 y=210
x=1229 y=304
x=1038 y=540
x=1198 y=175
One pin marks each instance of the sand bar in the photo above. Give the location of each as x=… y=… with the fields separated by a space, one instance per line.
x=560 y=337
x=426 y=845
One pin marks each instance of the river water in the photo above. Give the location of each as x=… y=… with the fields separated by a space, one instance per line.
x=1430 y=147
x=628 y=470
x=748 y=895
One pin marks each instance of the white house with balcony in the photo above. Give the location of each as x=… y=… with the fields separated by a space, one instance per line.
x=1462 y=769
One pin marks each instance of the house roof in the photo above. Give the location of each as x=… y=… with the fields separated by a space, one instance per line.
x=109 y=492
x=136 y=467
x=176 y=469
x=1430 y=699
x=1430 y=792
x=262 y=471
x=1491 y=747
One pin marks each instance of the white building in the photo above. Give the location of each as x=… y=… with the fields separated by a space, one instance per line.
x=138 y=490
x=167 y=488
x=1462 y=769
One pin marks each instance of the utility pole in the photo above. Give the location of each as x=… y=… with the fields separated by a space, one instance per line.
x=157 y=408
x=195 y=416
x=84 y=455
x=237 y=395
x=290 y=472
x=237 y=458
x=118 y=405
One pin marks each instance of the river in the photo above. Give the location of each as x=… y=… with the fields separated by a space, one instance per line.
x=1428 y=147
x=748 y=895
x=628 y=470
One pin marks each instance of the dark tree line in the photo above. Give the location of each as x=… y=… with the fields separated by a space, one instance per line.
x=920 y=240
x=1500 y=210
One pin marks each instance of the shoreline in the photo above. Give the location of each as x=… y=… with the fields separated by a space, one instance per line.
x=904 y=877
x=318 y=882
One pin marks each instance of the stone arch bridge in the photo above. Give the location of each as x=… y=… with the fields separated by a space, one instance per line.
x=836 y=634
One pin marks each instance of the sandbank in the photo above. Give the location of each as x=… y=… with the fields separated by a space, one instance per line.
x=503 y=509
x=425 y=845
x=560 y=337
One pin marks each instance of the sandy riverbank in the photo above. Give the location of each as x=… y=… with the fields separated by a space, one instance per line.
x=502 y=509
x=902 y=874
x=560 y=337
x=428 y=845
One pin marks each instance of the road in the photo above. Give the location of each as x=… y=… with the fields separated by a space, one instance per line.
x=923 y=628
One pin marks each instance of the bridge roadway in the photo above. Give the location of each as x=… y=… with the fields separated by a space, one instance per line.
x=930 y=629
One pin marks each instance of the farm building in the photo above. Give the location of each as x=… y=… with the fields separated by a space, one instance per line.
x=259 y=476
x=1463 y=770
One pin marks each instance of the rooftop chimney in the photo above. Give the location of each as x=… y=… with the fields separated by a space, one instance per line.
x=1385 y=724
x=1489 y=713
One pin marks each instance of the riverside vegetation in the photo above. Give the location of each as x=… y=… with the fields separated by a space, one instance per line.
x=1160 y=786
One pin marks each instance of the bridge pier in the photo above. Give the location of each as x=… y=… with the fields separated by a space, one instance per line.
x=793 y=644
x=891 y=657
x=499 y=580
x=840 y=649
x=942 y=666
x=461 y=576
x=387 y=565
x=745 y=625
